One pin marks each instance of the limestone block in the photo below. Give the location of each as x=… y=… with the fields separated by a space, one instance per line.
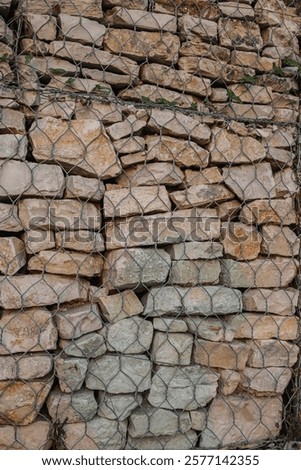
x=195 y=250
x=119 y=373
x=239 y=35
x=194 y=272
x=176 y=442
x=82 y=30
x=240 y=241
x=268 y=381
x=119 y=306
x=13 y=256
x=277 y=240
x=27 y=331
x=66 y=262
x=147 y=21
x=275 y=211
x=129 y=336
x=148 y=421
x=172 y=348
x=206 y=29
x=207 y=176
x=35 y=436
x=13 y=146
x=72 y=408
x=251 y=182
x=25 y=367
x=171 y=325
x=84 y=188
x=9 y=218
x=279 y=302
x=127 y=269
x=80 y=240
x=232 y=355
x=71 y=372
x=272 y=353
x=42 y=27
x=212 y=329
x=12 y=121
x=259 y=326
x=75 y=321
x=186 y=388
x=201 y=195
x=229 y=381
x=151 y=174
x=117 y=406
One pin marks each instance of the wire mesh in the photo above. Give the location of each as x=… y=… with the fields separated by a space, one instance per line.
x=149 y=218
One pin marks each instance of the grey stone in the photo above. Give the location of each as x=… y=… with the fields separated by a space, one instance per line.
x=212 y=329
x=172 y=325
x=177 y=442
x=9 y=218
x=172 y=348
x=117 y=406
x=186 y=388
x=90 y=189
x=194 y=272
x=70 y=372
x=272 y=353
x=13 y=146
x=71 y=407
x=75 y=321
x=129 y=336
x=195 y=250
x=80 y=240
x=90 y=345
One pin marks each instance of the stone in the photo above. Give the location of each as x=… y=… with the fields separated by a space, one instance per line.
x=246 y=111
x=195 y=46
x=135 y=267
x=226 y=147
x=59 y=107
x=240 y=241
x=135 y=158
x=277 y=240
x=72 y=408
x=143 y=45
x=67 y=214
x=194 y=272
x=211 y=329
x=170 y=227
x=250 y=182
x=25 y=367
x=228 y=210
x=286 y=184
x=268 y=381
x=71 y=372
x=185 y=388
x=171 y=325
x=9 y=218
x=254 y=61
x=27 y=331
x=275 y=211
x=234 y=10
x=78 y=7
x=229 y=381
x=89 y=189
x=201 y=195
x=135 y=4
x=177 y=124
x=6 y=34
x=129 y=145
x=120 y=306
x=119 y=373
x=82 y=30
x=177 y=442
x=164 y=76
x=252 y=93
x=280 y=37
x=195 y=250
x=148 y=421
x=262 y=272
x=237 y=419
x=176 y=151
x=38 y=240
x=80 y=240
x=129 y=336
x=136 y=200
x=12 y=121
x=211 y=68
x=207 y=176
x=207 y=300
x=279 y=302
x=13 y=256
x=232 y=355
x=201 y=8
x=107 y=113
x=206 y=29
x=89 y=345
x=272 y=353
x=42 y=27
x=281 y=138
x=4 y=8
x=198 y=419
x=147 y=21
x=76 y=145
x=128 y=127
x=21 y=402
x=151 y=174
x=67 y=262
x=117 y=406
x=279 y=158
x=97 y=434
x=259 y=326
x=35 y=436
x=278 y=84
x=239 y=35
x=32 y=290
x=13 y=146
x=75 y=321
x=171 y=348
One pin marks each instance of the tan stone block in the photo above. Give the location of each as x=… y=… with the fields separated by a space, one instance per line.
x=210 y=328
x=261 y=272
x=272 y=353
x=75 y=321
x=195 y=250
x=150 y=175
x=251 y=181
x=128 y=127
x=28 y=331
x=80 y=240
x=206 y=29
x=118 y=306
x=171 y=325
x=25 y=367
x=268 y=381
x=71 y=408
x=194 y=272
x=13 y=256
x=280 y=301
x=239 y=35
x=229 y=380
x=35 y=436
x=66 y=262
x=240 y=241
x=259 y=326
x=12 y=121
x=228 y=210
x=129 y=336
x=201 y=196
x=89 y=345
x=107 y=113
x=280 y=37
x=84 y=188
x=77 y=28
x=246 y=111
x=147 y=21
x=169 y=149
x=252 y=93
x=286 y=184
x=207 y=176
x=252 y=60
x=275 y=211
x=34 y=290
x=42 y=27
x=240 y=11
x=232 y=355
x=277 y=240
x=194 y=46
x=129 y=145
x=142 y=45
x=177 y=442
x=172 y=348
x=71 y=372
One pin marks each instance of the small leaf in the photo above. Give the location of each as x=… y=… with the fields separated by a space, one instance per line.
x=70 y=81
x=4 y=58
x=290 y=63
x=278 y=71
x=194 y=106
x=28 y=58
x=233 y=97
x=57 y=71
x=166 y=102
x=248 y=79
x=105 y=90
x=145 y=99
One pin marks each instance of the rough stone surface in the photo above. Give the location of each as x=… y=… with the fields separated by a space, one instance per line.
x=185 y=388
x=76 y=28
x=80 y=240
x=125 y=269
x=70 y=372
x=194 y=272
x=272 y=380
x=27 y=367
x=73 y=408
x=201 y=195
x=35 y=436
x=256 y=326
x=119 y=374
x=172 y=325
x=117 y=406
x=272 y=353
x=176 y=442
x=212 y=329
x=119 y=306
x=13 y=255
x=240 y=241
x=222 y=355
x=229 y=380
x=275 y=211
x=195 y=250
x=236 y=419
x=280 y=302
x=152 y=174
x=250 y=182
x=130 y=336
x=84 y=188
x=172 y=348
x=75 y=321
x=9 y=219
x=89 y=345
x=67 y=262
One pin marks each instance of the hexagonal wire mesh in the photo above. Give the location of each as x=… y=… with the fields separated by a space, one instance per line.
x=149 y=224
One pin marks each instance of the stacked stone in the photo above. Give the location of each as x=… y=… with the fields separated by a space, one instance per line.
x=149 y=252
